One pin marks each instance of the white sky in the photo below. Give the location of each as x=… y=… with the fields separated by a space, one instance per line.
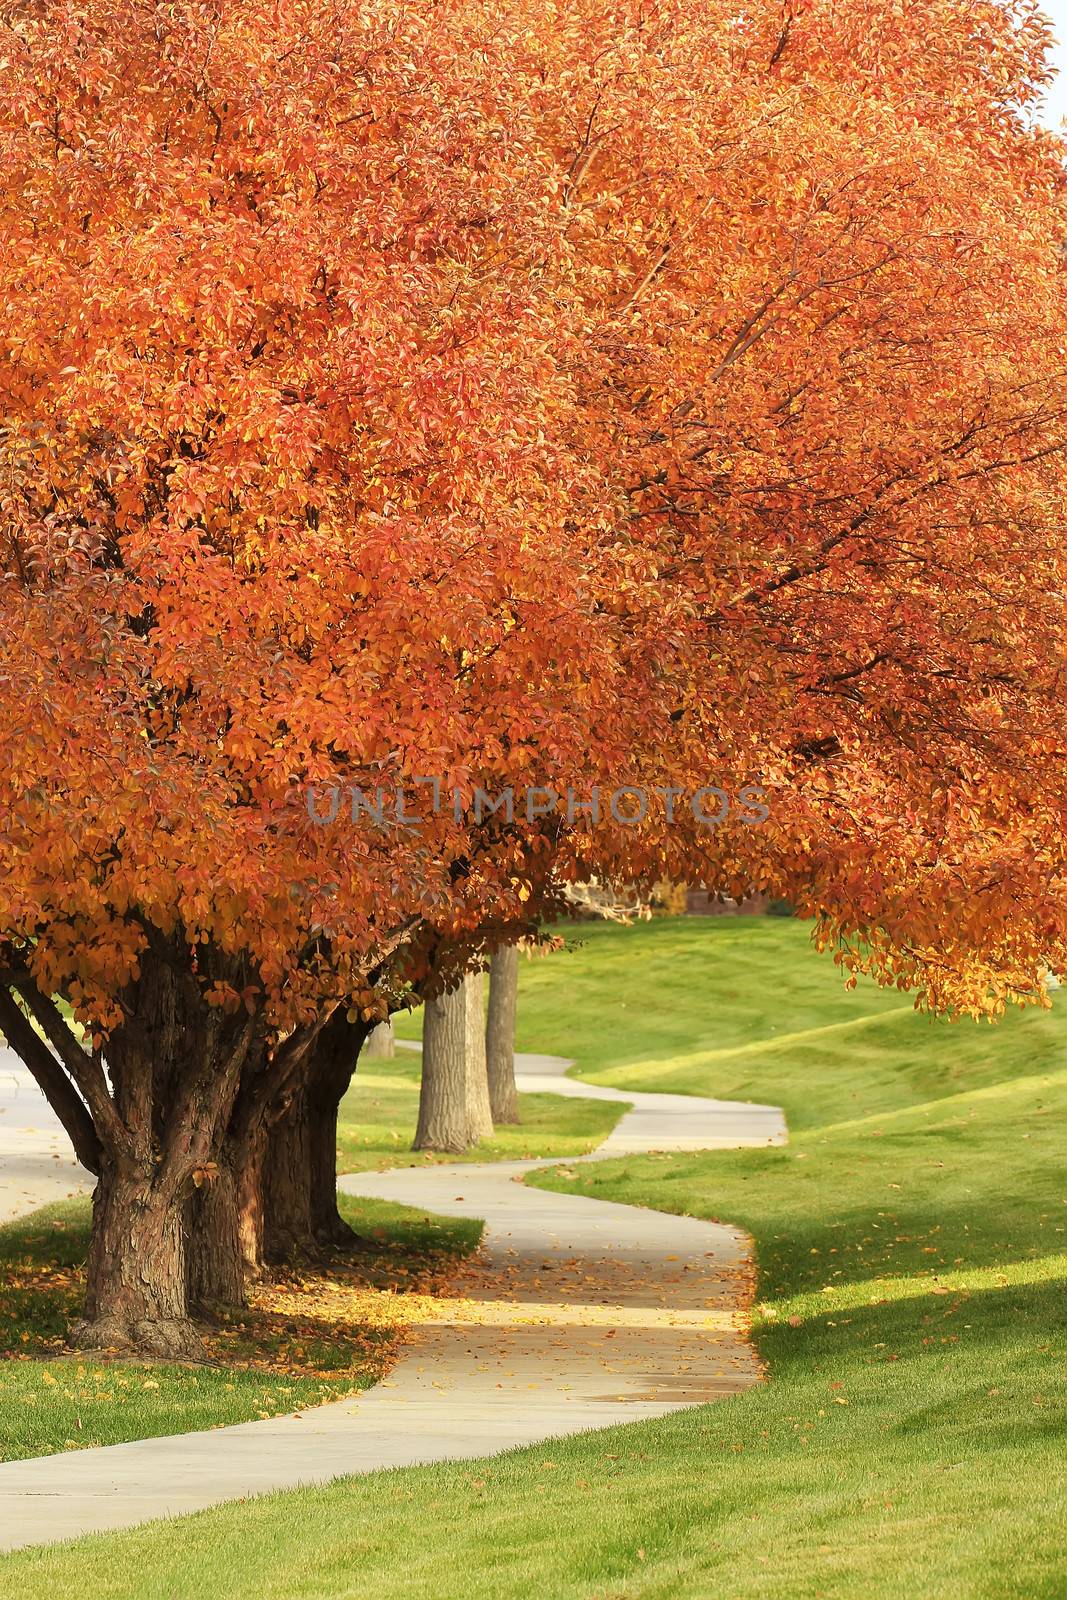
x=1056 y=103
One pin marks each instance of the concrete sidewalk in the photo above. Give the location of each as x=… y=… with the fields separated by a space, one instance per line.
x=575 y=1314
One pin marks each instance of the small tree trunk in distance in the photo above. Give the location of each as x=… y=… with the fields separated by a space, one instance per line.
x=500 y=1034
x=381 y=1043
x=453 y=1050
x=135 y=1296
x=479 y=1110
x=443 y=1122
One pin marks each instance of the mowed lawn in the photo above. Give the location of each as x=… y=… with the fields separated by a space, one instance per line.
x=910 y=1243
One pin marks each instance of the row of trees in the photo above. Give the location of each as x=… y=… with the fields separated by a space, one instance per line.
x=440 y=400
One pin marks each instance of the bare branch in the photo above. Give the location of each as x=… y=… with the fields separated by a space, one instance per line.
x=51 y=1079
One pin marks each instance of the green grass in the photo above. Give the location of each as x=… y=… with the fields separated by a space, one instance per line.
x=289 y=1351
x=377 y=1122
x=744 y=1008
x=909 y=1241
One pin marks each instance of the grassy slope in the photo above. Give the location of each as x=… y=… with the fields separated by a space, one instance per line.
x=745 y=1009
x=910 y=1244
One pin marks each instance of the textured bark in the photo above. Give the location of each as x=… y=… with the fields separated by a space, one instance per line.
x=300 y=1196
x=454 y=1110
x=479 y=1110
x=174 y=1068
x=214 y=1260
x=500 y=1034
x=275 y=1200
x=270 y=1215
x=287 y=1231
x=443 y=1122
x=247 y=1165
x=381 y=1043
x=135 y=1296
x=226 y=1223
x=151 y=1125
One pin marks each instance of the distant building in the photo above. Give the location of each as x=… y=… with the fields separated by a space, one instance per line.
x=701 y=903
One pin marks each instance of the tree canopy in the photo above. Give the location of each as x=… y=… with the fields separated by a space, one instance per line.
x=656 y=394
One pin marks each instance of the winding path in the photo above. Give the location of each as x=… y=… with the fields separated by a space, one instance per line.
x=574 y=1314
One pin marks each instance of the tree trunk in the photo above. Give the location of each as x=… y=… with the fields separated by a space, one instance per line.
x=381 y=1043
x=454 y=1108
x=300 y=1198
x=287 y=1231
x=175 y=1066
x=479 y=1110
x=215 y=1273
x=340 y=1047
x=443 y=1122
x=500 y=1034
x=157 y=1113
x=225 y=1229
x=248 y=1179
x=328 y=1227
x=135 y=1296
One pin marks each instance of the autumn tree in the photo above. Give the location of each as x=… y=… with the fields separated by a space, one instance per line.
x=430 y=395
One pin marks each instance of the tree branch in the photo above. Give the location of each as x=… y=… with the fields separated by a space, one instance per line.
x=51 y=1079
x=193 y=1135
x=86 y=1072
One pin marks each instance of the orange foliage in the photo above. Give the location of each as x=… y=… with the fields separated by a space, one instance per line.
x=654 y=393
